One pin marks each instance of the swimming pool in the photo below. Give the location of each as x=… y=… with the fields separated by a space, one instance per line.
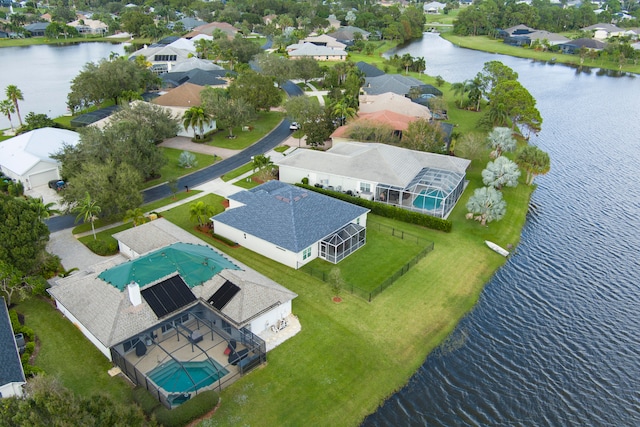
x=430 y=200
x=191 y=376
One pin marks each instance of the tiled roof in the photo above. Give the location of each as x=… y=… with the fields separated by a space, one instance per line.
x=10 y=365
x=288 y=216
x=373 y=162
x=185 y=95
x=310 y=49
x=393 y=102
x=108 y=314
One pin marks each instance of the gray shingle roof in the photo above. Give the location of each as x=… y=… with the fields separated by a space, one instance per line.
x=10 y=365
x=288 y=216
x=310 y=49
x=369 y=70
x=395 y=83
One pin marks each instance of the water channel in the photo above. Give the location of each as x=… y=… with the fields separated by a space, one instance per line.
x=554 y=339
x=43 y=73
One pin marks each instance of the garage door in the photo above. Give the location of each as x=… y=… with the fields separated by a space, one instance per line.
x=42 y=178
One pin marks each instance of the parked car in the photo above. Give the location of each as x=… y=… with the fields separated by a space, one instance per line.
x=294 y=126
x=57 y=184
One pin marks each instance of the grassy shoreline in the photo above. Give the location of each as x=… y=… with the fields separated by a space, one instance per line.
x=487 y=44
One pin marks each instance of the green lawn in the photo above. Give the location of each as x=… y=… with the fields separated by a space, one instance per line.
x=488 y=44
x=264 y=124
x=66 y=354
x=180 y=214
x=171 y=170
x=380 y=258
x=247 y=182
x=237 y=172
x=149 y=207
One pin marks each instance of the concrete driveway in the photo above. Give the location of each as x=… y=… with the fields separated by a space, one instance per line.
x=73 y=253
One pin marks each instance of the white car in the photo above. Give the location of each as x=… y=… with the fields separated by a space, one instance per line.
x=294 y=126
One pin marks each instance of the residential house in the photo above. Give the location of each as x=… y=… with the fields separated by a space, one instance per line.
x=162 y=58
x=188 y=23
x=325 y=40
x=89 y=26
x=393 y=102
x=395 y=83
x=194 y=63
x=414 y=180
x=574 y=46
x=212 y=28
x=178 y=101
x=397 y=122
x=292 y=225
x=521 y=35
x=171 y=303
x=433 y=7
x=319 y=53
x=11 y=373
x=369 y=70
x=194 y=76
x=37 y=29
x=602 y=31
x=346 y=34
x=27 y=157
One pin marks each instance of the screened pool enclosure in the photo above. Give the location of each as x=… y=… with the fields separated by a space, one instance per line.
x=343 y=243
x=433 y=192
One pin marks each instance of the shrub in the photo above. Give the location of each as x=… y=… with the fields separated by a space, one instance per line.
x=187 y=160
x=305 y=180
x=51 y=266
x=224 y=240
x=102 y=247
x=388 y=211
x=192 y=409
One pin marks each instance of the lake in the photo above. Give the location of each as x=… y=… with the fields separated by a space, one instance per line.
x=44 y=74
x=554 y=339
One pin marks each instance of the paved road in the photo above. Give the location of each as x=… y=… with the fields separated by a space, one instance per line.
x=268 y=142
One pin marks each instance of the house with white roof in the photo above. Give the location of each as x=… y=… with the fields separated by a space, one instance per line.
x=27 y=157
x=602 y=31
x=292 y=225
x=89 y=26
x=319 y=53
x=162 y=58
x=11 y=373
x=433 y=7
x=171 y=305
x=414 y=180
x=393 y=102
x=325 y=40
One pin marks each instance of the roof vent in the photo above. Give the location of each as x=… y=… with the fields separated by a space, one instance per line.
x=134 y=294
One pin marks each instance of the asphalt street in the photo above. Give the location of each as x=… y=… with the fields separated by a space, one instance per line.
x=267 y=143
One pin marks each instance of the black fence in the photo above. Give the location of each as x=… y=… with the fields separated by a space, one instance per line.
x=369 y=295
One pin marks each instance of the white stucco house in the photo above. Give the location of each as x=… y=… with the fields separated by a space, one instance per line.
x=415 y=180
x=27 y=157
x=292 y=225
x=319 y=53
x=11 y=374
x=168 y=298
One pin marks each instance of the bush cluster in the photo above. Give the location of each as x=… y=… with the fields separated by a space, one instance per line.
x=224 y=240
x=30 y=346
x=180 y=416
x=388 y=211
x=103 y=248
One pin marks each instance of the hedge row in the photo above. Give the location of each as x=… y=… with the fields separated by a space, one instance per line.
x=191 y=410
x=388 y=211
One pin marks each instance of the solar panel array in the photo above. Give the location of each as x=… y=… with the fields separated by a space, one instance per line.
x=223 y=295
x=168 y=296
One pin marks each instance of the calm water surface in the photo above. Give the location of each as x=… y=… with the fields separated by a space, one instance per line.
x=44 y=74
x=555 y=337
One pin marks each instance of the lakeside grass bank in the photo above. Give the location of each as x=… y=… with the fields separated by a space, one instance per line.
x=487 y=44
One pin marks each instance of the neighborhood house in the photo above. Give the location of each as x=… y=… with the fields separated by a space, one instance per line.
x=292 y=225
x=424 y=182
x=175 y=315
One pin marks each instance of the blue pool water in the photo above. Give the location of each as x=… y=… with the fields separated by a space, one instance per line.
x=195 y=375
x=429 y=200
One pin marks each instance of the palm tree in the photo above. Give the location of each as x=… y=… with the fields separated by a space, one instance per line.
x=420 y=64
x=534 y=161
x=43 y=210
x=460 y=88
x=6 y=108
x=474 y=87
x=343 y=110
x=136 y=215
x=196 y=118
x=497 y=114
x=88 y=210
x=14 y=95
x=407 y=61
x=200 y=213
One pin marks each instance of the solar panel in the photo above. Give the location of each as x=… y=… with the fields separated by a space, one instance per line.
x=168 y=296
x=223 y=295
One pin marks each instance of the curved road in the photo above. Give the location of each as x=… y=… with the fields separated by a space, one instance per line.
x=267 y=143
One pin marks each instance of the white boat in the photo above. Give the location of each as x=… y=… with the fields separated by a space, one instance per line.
x=499 y=249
